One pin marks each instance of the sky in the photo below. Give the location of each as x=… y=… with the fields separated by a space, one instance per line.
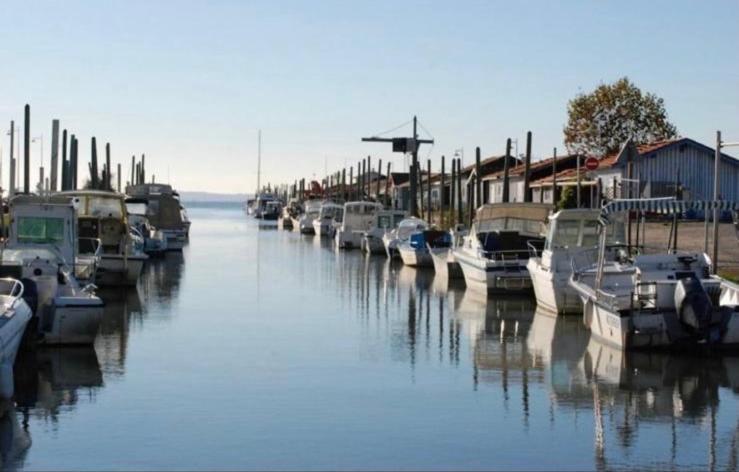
x=189 y=83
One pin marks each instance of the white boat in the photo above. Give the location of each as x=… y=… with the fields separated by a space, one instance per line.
x=572 y=234
x=442 y=255
x=155 y=241
x=662 y=300
x=329 y=214
x=42 y=239
x=312 y=210
x=102 y=215
x=385 y=221
x=415 y=252
x=260 y=204
x=402 y=233
x=358 y=219
x=494 y=254
x=14 y=317
x=164 y=212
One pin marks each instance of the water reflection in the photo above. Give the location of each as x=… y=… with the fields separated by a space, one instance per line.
x=15 y=439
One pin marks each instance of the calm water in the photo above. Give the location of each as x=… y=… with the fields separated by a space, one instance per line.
x=259 y=348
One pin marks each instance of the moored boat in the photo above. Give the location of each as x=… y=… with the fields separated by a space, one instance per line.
x=384 y=222
x=494 y=254
x=358 y=218
x=664 y=300
x=401 y=234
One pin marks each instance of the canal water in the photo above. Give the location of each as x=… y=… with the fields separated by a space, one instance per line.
x=260 y=348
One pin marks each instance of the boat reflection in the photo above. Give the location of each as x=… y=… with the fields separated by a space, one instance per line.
x=15 y=440
x=160 y=280
x=50 y=379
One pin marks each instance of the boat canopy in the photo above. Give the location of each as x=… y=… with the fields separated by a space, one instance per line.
x=526 y=218
x=575 y=227
x=409 y=226
x=666 y=206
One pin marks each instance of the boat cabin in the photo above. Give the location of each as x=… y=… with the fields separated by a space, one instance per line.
x=360 y=215
x=510 y=230
x=101 y=215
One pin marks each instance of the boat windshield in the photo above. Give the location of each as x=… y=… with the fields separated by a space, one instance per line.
x=385 y=221
x=565 y=234
x=524 y=226
x=138 y=208
x=19 y=255
x=40 y=230
x=101 y=207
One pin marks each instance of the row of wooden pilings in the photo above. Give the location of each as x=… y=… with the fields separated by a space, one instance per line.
x=68 y=178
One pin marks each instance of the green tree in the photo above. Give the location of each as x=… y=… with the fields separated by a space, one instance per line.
x=567 y=198
x=600 y=122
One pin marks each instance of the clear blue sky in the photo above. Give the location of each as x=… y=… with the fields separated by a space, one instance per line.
x=190 y=82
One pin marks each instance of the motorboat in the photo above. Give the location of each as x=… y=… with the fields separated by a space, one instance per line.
x=384 y=222
x=494 y=254
x=102 y=215
x=402 y=233
x=155 y=241
x=289 y=212
x=42 y=241
x=329 y=215
x=15 y=313
x=260 y=204
x=272 y=210
x=311 y=211
x=442 y=255
x=415 y=251
x=667 y=299
x=358 y=219
x=164 y=212
x=571 y=234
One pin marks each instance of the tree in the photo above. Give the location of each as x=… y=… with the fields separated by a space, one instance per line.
x=601 y=121
x=567 y=199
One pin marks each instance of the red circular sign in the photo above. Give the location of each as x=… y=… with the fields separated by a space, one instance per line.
x=591 y=163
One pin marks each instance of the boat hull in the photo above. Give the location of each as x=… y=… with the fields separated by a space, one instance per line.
x=495 y=277
x=113 y=269
x=347 y=239
x=415 y=257
x=373 y=245
x=552 y=290
x=445 y=265
x=11 y=332
x=73 y=321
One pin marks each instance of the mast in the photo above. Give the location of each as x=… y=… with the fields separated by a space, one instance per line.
x=259 y=160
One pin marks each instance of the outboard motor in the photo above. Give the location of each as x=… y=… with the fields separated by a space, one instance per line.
x=694 y=308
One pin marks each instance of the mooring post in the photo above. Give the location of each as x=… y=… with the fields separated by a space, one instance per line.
x=460 y=215
x=441 y=194
x=73 y=163
x=65 y=166
x=368 y=181
x=11 y=187
x=452 y=192
x=506 y=172
x=478 y=179
x=27 y=150
x=413 y=170
x=119 y=177
x=419 y=176
x=377 y=182
x=554 y=178
x=716 y=215
x=54 y=154
x=428 y=190
x=94 y=163
x=527 y=170
x=388 y=200
x=471 y=206
x=108 y=179
x=143 y=168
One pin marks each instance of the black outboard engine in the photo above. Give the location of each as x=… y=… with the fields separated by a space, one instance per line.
x=694 y=308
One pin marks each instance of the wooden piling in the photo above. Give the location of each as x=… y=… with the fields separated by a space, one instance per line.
x=27 y=150
x=478 y=180
x=65 y=165
x=452 y=192
x=506 y=172
x=554 y=178
x=428 y=189
x=54 y=154
x=441 y=194
x=388 y=200
x=11 y=187
x=94 y=163
x=368 y=180
x=377 y=186
x=74 y=163
x=143 y=168
x=119 y=178
x=460 y=215
x=527 y=170
x=108 y=179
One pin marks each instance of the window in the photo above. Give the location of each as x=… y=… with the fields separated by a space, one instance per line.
x=40 y=230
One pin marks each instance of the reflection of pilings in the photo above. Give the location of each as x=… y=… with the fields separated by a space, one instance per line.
x=441 y=329
x=412 y=326
x=598 y=437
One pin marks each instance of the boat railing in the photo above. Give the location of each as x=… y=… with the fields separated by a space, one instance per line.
x=535 y=248
x=16 y=289
x=506 y=256
x=90 y=246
